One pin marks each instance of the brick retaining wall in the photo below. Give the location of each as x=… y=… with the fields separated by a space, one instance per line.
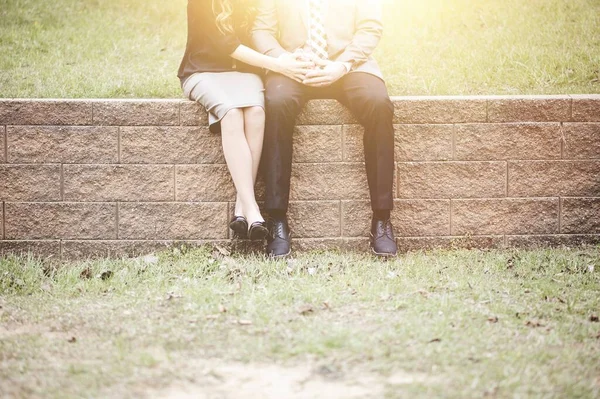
x=84 y=178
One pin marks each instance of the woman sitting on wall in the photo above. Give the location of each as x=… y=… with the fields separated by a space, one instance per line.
x=217 y=71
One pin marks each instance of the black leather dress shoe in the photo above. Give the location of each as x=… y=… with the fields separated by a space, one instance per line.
x=383 y=242
x=279 y=241
x=239 y=226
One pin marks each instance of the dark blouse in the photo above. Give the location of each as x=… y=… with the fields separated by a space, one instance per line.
x=207 y=49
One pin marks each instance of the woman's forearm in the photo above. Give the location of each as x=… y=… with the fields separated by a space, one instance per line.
x=254 y=58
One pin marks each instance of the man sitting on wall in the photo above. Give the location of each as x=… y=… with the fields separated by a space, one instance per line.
x=340 y=36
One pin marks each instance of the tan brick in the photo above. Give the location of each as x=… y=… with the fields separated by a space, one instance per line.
x=409 y=218
x=353 y=147
x=314 y=219
x=329 y=181
x=204 y=183
x=321 y=143
x=412 y=142
x=582 y=140
x=529 y=109
x=580 y=215
x=508 y=141
x=136 y=112
x=62 y=144
x=451 y=179
x=173 y=221
x=44 y=220
x=553 y=178
x=192 y=114
x=170 y=145
x=556 y=240
x=45 y=112
x=30 y=182
x=325 y=112
x=408 y=244
x=46 y=249
x=439 y=110
x=505 y=216
x=118 y=183
x=586 y=108
x=423 y=142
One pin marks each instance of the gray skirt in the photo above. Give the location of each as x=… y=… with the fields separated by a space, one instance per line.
x=220 y=92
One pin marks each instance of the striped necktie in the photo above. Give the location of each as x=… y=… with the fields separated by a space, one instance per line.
x=317 y=41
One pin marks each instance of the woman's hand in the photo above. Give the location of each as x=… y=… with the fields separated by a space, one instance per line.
x=294 y=66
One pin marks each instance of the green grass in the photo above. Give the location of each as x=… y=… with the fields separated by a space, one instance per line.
x=445 y=324
x=132 y=48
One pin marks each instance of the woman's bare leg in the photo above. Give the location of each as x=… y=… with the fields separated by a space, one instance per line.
x=240 y=163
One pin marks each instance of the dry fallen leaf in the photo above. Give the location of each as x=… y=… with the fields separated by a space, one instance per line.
x=105 y=275
x=534 y=323
x=222 y=251
x=594 y=318
x=326 y=305
x=244 y=322
x=222 y=308
x=172 y=295
x=86 y=273
x=212 y=317
x=435 y=340
x=305 y=309
x=493 y=319
x=72 y=340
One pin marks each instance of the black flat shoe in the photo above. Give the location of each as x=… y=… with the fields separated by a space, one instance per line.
x=258 y=231
x=239 y=226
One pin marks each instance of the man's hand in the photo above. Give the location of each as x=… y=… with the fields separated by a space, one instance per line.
x=293 y=66
x=329 y=73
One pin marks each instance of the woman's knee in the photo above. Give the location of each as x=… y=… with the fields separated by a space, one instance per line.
x=254 y=114
x=233 y=121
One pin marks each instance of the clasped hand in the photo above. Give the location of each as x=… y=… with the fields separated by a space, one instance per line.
x=309 y=70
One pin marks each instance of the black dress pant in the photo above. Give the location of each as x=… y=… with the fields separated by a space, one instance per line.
x=367 y=98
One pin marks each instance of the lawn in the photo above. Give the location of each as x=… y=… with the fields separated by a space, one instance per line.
x=132 y=48
x=201 y=323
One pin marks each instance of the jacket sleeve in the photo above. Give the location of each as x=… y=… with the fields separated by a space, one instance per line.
x=203 y=19
x=368 y=32
x=266 y=29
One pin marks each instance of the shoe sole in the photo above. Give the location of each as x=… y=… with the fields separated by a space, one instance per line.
x=279 y=256
x=384 y=255
x=239 y=229
x=258 y=233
